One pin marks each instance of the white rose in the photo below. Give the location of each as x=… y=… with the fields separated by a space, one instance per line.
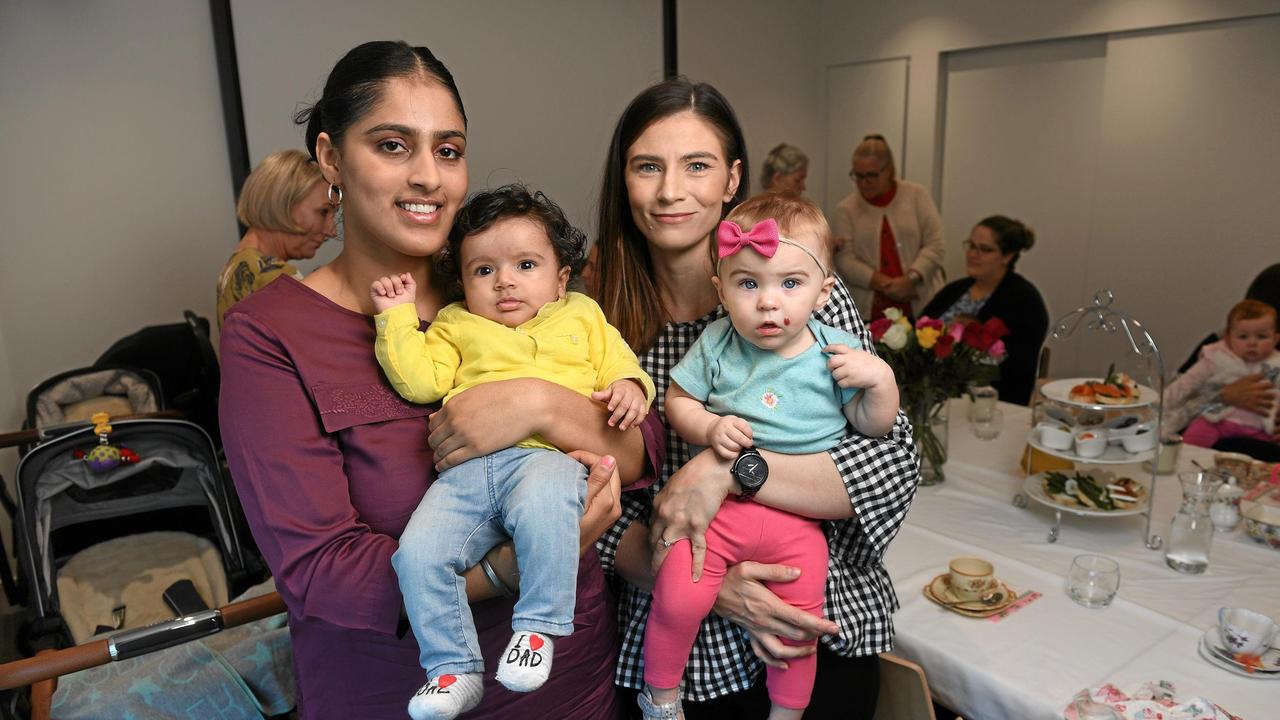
x=895 y=338
x=893 y=314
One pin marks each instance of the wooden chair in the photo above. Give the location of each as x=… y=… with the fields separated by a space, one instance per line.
x=904 y=692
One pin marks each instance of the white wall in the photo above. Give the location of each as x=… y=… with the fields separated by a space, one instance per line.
x=543 y=83
x=116 y=199
x=1091 y=150
x=923 y=29
x=862 y=99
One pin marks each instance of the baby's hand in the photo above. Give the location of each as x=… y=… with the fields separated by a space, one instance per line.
x=392 y=290
x=625 y=400
x=729 y=435
x=857 y=368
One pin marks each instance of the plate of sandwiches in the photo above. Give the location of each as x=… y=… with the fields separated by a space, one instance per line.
x=1097 y=493
x=1116 y=389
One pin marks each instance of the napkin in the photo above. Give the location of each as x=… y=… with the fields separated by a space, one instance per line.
x=1152 y=700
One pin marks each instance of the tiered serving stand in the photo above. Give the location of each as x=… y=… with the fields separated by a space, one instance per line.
x=1141 y=359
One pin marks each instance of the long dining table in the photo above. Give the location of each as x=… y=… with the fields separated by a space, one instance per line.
x=1029 y=663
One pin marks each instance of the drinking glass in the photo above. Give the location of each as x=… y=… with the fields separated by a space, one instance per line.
x=1093 y=580
x=982 y=401
x=989 y=427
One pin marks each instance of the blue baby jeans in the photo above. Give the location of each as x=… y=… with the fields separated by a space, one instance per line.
x=532 y=495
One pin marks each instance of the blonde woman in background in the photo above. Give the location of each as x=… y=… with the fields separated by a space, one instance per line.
x=285 y=205
x=785 y=170
x=890 y=235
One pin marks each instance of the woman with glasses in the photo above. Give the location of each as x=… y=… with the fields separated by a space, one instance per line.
x=890 y=235
x=993 y=289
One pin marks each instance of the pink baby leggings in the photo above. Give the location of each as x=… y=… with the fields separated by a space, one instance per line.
x=742 y=530
x=1204 y=433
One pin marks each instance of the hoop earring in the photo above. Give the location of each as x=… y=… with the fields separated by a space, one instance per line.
x=330 y=194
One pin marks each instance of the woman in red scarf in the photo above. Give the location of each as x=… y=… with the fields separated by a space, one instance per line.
x=890 y=235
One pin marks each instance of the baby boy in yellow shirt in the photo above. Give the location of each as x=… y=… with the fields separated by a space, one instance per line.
x=513 y=253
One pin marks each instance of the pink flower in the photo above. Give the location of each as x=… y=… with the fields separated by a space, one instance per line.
x=770 y=400
x=928 y=322
x=956 y=331
x=997 y=349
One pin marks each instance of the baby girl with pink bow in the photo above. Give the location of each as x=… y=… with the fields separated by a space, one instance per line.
x=769 y=376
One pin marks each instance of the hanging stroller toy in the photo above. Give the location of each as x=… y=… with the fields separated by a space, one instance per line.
x=104 y=456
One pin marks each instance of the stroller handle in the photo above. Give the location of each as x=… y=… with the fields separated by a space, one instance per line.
x=35 y=435
x=132 y=643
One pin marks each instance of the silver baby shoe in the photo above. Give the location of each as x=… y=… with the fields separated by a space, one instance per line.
x=654 y=711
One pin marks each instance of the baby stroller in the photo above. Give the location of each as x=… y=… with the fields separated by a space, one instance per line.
x=173 y=488
x=65 y=507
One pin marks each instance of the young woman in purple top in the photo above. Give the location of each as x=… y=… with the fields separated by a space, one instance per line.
x=330 y=462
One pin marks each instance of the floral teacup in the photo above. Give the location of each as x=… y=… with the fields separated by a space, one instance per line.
x=1246 y=632
x=971 y=578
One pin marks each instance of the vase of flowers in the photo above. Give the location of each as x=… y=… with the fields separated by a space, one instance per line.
x=933 y=362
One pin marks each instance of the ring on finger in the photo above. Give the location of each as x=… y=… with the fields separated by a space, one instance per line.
x=668 y=543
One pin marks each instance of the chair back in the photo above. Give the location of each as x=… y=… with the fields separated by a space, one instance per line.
x=904 y=693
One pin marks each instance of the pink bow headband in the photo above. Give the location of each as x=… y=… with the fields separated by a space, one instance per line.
x=763 y=238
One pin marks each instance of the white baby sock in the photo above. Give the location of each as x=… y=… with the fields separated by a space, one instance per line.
x=446 y=697
x=526 y=663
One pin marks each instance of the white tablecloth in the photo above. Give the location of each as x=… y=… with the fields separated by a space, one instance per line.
x=1029 y=664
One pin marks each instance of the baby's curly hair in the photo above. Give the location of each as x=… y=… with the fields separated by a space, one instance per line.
x=487 y=207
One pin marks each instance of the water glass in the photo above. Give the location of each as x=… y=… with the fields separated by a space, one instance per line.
x=982 y=401
x=1093 y=580
x=988 y=427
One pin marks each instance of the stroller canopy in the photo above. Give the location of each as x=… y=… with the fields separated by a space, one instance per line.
x=59 y=496
x=78 y=394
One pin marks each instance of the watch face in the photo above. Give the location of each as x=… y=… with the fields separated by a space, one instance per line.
x=752 y=471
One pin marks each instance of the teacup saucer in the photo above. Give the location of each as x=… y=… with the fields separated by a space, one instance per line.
x=1269 y=661
x=1213 y=659
x=939 y=591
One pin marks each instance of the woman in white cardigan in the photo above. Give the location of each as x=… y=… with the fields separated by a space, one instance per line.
x=890 y=236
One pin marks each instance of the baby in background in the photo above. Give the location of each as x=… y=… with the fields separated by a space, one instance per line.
x=1248 y=348
x=513 y=254
x=767 y=376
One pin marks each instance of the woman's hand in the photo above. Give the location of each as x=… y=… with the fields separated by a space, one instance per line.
x=901 y=289
x=880 y=281
x=479 y=421
x=1251 y=392
x=603 y=505
x=685 y=506
x=745 y=600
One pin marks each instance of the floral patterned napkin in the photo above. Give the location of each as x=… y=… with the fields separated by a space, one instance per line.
x=1152 y=700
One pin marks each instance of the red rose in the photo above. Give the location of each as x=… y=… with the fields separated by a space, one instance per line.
x=976 y=337
x=879 y=327
x=996 y=328
x=942 y=349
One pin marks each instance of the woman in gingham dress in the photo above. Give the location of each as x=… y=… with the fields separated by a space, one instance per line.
x=675 y=168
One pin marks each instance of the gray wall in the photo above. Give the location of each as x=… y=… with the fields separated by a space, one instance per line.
x=116 y=199
x=118 y=205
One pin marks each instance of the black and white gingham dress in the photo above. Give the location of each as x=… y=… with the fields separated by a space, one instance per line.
x=880 y=475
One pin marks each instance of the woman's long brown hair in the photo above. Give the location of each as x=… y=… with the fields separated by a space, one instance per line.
x=628 y=292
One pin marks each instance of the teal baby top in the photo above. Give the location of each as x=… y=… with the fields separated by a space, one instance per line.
x=793 y=405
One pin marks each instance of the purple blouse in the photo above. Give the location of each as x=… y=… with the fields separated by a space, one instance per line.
x=330 y=463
